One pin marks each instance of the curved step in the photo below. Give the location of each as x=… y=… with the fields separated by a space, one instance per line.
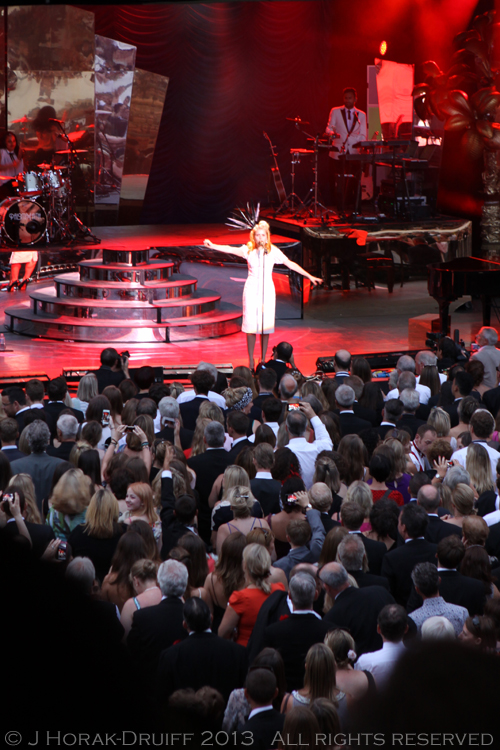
x=94 y=270
x=22 y=320
x=70 y=285
x=46 y=303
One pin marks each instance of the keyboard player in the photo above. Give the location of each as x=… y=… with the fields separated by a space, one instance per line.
x=350 y=124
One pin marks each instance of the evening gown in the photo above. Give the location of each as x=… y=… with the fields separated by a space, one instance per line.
x=259 y=295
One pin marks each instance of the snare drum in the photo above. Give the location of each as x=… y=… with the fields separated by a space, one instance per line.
x=30 y=184
x=23 y=221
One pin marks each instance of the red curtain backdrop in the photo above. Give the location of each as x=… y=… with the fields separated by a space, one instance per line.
x=237 y=69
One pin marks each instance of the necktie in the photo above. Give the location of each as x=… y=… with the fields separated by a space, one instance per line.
x=12 y=155
x=349 y=115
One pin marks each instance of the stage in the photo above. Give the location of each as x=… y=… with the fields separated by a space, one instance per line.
x=359 y=320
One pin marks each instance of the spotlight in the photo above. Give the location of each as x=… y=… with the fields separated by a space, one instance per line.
x=383 y=48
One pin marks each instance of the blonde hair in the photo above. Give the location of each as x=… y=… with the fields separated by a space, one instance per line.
x=145 y=494
x=234 y=476
x=198 y=445
x=87 y=387
x=241 y=501
x=463 y=500
x=320 y=674
x=71 y=495
x=360 y=493
x=176 y=389
x=234 y=395
x=209 y=410
x=144 y=570
x=440 y=420
x=258 y=566
x=102 y=514
x=340 y=642
x=260 y=225
x=478 y=465
x=80 y=447
x=25 y=482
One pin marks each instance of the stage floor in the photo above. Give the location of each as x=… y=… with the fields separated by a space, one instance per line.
x=358 y=320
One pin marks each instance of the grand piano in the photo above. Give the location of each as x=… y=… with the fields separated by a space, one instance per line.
x=457 y=278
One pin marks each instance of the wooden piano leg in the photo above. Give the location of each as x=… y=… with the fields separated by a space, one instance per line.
x=345 y=271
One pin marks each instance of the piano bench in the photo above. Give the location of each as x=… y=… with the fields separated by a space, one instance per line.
x=367 y=264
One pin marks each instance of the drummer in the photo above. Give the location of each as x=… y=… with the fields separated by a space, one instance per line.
x=11 y=164
x=48 y=134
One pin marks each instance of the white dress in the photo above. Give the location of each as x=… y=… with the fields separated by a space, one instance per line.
x=259 y=295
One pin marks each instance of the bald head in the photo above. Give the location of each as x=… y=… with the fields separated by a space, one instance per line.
x=428 y=498
x=320 y=496
x=334 y=578
x=342 y=361
x=288 y=387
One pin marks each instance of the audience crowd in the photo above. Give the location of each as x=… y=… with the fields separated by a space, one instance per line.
x=269 y=555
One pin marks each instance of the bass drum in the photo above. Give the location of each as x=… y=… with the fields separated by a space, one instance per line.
x=23 y=221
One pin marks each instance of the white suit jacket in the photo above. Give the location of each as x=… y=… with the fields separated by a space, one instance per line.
x=337 y=123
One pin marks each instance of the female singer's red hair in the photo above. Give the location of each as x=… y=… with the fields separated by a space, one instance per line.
x=261 y=225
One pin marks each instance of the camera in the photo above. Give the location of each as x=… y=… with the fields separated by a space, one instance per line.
x=106 y=415
x=129 y=428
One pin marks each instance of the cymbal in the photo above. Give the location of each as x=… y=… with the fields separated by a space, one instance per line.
x=21 y=119
x=103 y=112
x=297 y=120
x=73 y=151
x=302 y=151
x=76 y=135
x=44 y=166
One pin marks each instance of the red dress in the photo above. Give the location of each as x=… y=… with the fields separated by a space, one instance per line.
x=247 y=604
x=394 y=495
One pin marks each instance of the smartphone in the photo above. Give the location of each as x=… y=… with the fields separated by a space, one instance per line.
x=62 y=551
x=106 y=415
x=293 y=407
x=129 y=428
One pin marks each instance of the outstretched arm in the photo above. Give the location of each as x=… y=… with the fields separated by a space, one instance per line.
x=225 y=248
x=298 y=269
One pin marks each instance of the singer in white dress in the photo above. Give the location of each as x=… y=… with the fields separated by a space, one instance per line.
x=259 y=294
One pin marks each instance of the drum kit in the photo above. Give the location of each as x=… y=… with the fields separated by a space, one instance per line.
x=43 y=207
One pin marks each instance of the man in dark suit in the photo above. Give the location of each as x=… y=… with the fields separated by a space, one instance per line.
x=491 y=398
x=179 y=515
x=202 y=381
x=352 y=554
x=237 y=424
x=353 y=516
x=454 y=587
x=281 y=361
x=264 y=488
x=35 y=406
x=14 y=401
x=399 y=563
x=208 y=466
x=408 y=421
x=294 y=635
x=350 y=424
x=39 y=465
x=264 y=723
x=201 y=659
x=156 y=628
x=461 y=387
x=170 y=411
x=9 y=435
x=266 y=383
x=56 y=391
x=429 y=499
x=341 y=365
x=66 y=431
x=113 y=369
x=391 y=413
x=354 y=609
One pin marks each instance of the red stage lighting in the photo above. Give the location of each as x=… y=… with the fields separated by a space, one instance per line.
x=383 y=48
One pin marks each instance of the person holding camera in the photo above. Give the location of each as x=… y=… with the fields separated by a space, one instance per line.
x=113 y=369
x=296 y=426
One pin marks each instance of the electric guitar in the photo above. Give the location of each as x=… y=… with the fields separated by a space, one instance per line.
x=278 y=182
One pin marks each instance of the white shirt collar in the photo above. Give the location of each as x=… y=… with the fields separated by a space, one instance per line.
x=305 y=612
x=259 y=475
